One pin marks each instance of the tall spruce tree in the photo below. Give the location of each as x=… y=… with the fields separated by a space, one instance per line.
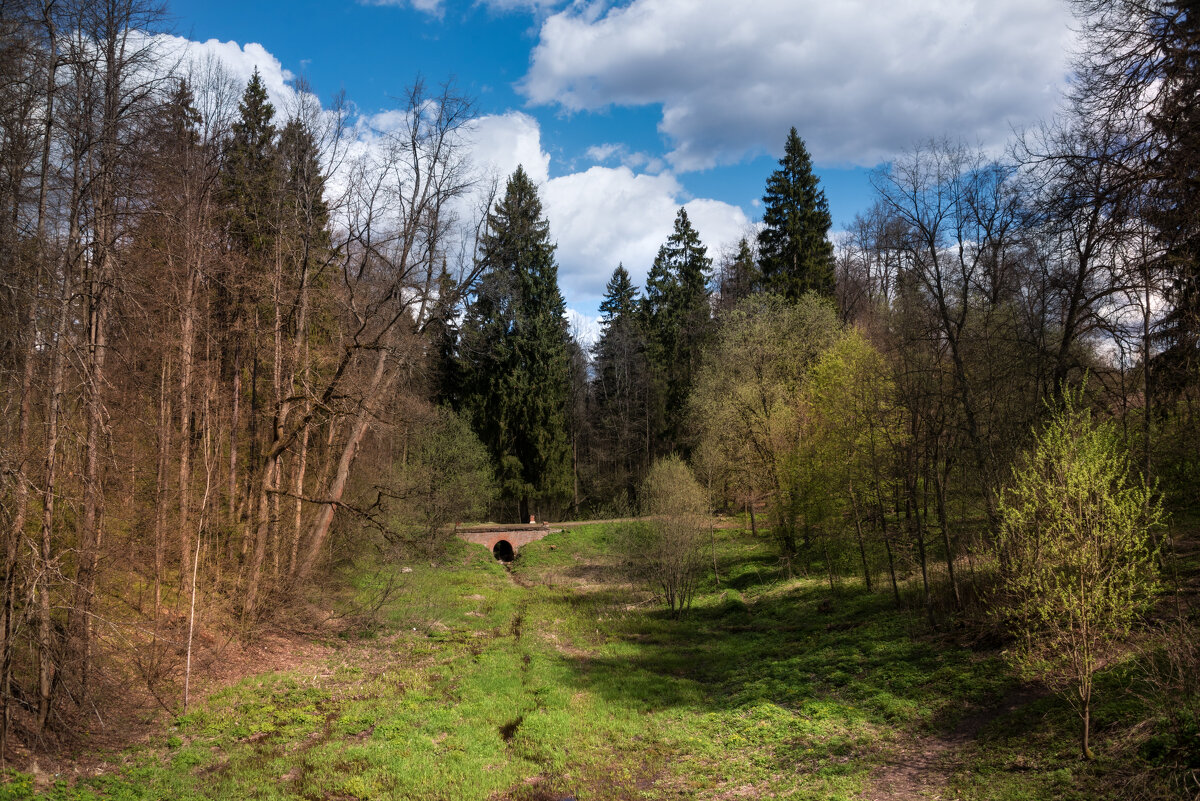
x=794 y=251
x=249 y=174
x=620 y=390
x=513 y=354
x=620 y=298
x=1174 y=203
x=677 y=321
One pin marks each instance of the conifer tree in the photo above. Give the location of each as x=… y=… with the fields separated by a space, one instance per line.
x=794 y=251
x=737 y=277
x=248 y=178
x=513 y=354
x=677 y=320
x=621 y=389
x=620 y=298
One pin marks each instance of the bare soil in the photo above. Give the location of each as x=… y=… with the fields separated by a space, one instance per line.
x=921 y=768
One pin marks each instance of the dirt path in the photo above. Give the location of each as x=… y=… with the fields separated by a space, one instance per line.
x=921 y=768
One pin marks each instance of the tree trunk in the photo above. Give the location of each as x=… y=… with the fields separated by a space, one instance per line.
x=160 y=485
x=298 y=491
x=862 y=548
x=187 y=338
x=1087 y=725
x=320 y=527
x=943 y=523
x=254 y=571
x=45 y=654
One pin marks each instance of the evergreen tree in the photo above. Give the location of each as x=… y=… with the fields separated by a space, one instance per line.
x=794 y=251
x=441 y=332
x=677 y=322
x=620 y=390
x=738 y=277
x=305 y=212
x=1174 y=202
x=620 y=298
x=513 y=354
x=248 y=177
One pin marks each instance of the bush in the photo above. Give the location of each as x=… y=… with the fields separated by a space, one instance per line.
x=1077 y=556
x=666 y=549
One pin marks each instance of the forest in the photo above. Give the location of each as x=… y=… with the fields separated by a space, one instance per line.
x=246 y=362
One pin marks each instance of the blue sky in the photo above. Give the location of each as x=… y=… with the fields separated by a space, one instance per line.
x=627 y=110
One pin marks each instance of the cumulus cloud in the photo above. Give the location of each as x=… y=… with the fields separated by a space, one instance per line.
x=609 y=215
x=585 y=328
x=239 y=63
x=499 y=142
x=861 y=80
x=598 y=217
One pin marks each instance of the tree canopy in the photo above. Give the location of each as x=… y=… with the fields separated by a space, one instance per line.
x=513 y=353
x=794 y=252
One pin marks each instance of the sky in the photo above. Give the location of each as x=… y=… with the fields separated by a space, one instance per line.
x=624 y=111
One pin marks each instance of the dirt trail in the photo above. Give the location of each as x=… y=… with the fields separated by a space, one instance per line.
x=921 y=768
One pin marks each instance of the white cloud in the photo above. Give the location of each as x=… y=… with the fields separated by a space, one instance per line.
x=635 y=160
x=609 y=215
x=499 y=142
x=585 y=328
x=861 y=80
x=239 y=62
x=434 y=8
x=598 y=217
x=437 y=8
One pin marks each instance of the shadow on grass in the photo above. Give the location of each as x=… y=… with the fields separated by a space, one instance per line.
x=790 y=647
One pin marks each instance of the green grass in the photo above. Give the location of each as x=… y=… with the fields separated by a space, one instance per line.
x=562 y=680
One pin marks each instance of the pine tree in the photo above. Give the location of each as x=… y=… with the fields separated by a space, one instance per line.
x=1174 y=207
x=513 y=354
x=677 y=322
x=620 y=298
x=794 y=252
x=441 y=332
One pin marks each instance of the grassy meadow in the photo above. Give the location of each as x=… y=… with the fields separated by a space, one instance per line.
x=557 y=679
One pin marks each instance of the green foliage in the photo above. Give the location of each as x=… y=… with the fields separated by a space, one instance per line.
x=794 y=252
x=677 y=324
x=853 y=429
x=620 y=298
x=1077 y=552
x=513 y=362
x=621 y=393
x=445 y=478
x=747 y=402
x=666 y=549
x=249 y=171
x=739 y=276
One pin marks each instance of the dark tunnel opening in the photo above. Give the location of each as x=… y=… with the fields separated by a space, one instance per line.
x=503 y=551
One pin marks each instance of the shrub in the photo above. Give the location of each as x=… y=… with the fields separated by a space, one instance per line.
x=666 y=549
x=1076 y=552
